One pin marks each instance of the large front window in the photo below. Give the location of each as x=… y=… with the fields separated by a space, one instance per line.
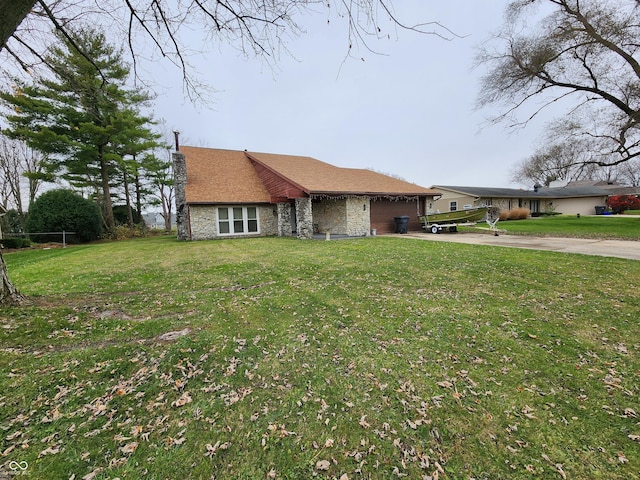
x=237 y=220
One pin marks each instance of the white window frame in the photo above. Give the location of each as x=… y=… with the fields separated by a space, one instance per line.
x=453 y=206
x=231 y=220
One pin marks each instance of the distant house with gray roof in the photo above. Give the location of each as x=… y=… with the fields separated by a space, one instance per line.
x=574 y=198
x=228 y=193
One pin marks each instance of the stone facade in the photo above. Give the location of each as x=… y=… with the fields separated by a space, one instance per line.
x=304 y=218
x=358 y=218
x=180 y=184
x=285 y=227
x=330 y=215
x=204 y=222
x=343 y=216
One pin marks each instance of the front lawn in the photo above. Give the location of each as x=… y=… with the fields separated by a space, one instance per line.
x=376 y=358
x=597 y=226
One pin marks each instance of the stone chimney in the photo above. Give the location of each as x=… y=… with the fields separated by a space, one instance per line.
x=180 y=184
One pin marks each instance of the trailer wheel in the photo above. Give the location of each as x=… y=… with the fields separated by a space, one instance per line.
x=453 y=229
x=435 y=229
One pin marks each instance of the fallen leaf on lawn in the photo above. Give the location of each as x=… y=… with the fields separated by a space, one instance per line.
x=363 y=422
x=92 y=475
x=445 y=384
x=49 y=451
x=561 y=471
x=271 y=473
x=212 y=449
x=183 y=400
x=129 y=448
x=635 y=438
x=323 y=465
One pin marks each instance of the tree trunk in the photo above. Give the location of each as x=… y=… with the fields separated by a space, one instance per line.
x=127 y=197
x=9 y=295
x=12 y=12
x=138 y=193
x=106 y=192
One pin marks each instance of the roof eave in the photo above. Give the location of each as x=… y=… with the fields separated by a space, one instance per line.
x=375 y=194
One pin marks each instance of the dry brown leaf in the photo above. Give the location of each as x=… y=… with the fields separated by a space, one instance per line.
x=212 y=449
x=363 y=422
x=323 y=465
x=635 y=438
x=92 y=475
x=50 y=451
x=561 y=471
x=129 y=448
x=14 y=435
x=8 y=450
x=183 y=400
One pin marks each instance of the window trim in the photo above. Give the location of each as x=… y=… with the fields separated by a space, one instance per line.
x=453 y=206
x=230 y=220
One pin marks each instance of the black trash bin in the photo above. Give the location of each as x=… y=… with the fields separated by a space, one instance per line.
x=402 y=224
x=600 y=210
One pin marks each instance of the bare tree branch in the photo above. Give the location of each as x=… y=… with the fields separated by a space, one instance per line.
x=580 y=53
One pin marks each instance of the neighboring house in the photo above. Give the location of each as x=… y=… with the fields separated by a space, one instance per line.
x=570 y=199
x=155 y=220
x=227 y=193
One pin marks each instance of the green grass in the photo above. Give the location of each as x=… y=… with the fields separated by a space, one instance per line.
x=600 y=226
x=370 y=358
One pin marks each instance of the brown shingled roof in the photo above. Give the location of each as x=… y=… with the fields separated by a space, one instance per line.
x=222 y=176
x=320 y=177
x=225 y=176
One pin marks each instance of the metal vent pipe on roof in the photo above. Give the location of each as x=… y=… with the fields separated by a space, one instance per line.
x=176 y=136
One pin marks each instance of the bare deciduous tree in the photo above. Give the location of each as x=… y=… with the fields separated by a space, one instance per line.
x=20 y=166
x=583 y=54
x=152 y=28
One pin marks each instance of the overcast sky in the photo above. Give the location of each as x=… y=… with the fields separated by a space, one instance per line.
x=408 y=111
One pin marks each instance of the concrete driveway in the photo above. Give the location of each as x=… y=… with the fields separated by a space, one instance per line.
x=604 y=248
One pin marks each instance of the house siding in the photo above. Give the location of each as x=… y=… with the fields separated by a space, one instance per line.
x=285 y=225
x=343 y=216
x=583 y=206
x=442 y=204
x=304 y=218
x=358 y=209
x=204 y=222
x=383 y=213
x=330 y=215
x=278 y=187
